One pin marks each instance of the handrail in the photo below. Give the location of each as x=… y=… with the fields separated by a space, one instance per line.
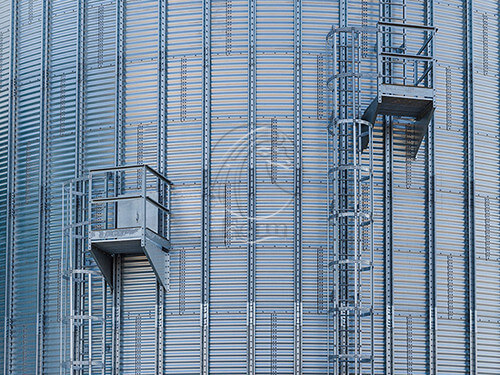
x=115 y=199
x=157 y=174
x=390 y=56
x=408 y=26
x=360 y=29
x=350 y=75
x=158 y=205
x=129 y=197
x=127 y=167
x=117 y=168
x=407 y=57
x=141 y=194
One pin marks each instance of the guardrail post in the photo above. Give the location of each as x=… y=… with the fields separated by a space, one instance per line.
x=415 y=73
x=144 y=200
x=91 y=176
x=380 y=68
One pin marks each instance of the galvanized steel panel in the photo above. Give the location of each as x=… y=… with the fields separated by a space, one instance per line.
x=487 y=179
x=183 y=324
x=60 y=155
x=275 y=199
x=99 y=80
x=5 y=38
x=24 y=250
x=450 y=126
x=138 y=305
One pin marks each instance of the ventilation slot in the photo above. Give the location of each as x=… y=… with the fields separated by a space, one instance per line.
x=274 y=343
x=487 y=228
x=140 y=152
x=485 y=45
x=450 y=286
x=182 y=281
x=227 y=214
x=320 y=280
x=100 y=36
x=183 y=89
x=229 y=26
x=62 y=106
x=320 y=87
x=449 y=108
x=274 y=149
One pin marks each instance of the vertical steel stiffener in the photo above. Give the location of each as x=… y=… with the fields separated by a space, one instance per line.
x=298 y=187
x=11 y=188
x=205 y=192
x=251 y=180
x=161 y=167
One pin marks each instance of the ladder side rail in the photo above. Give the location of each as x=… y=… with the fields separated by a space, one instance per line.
x=144 y=205
x=355 y=205
x=335 y=202
x=90 y=323
x=63 y=292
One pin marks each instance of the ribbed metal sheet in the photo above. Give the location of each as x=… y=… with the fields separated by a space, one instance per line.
x=4 y=126
x=487 y=175
x=60 y=155
x=138 y=316
x=450 y=127
x=226 y=296
x=99 y=80
x=24 y=258
x=184 y=114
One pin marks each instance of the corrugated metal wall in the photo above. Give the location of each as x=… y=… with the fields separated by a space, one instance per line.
x=486 y=33
x=60 y=158
x=4 y=120
x=451 y=164
x=246 y=116
x=23 y=251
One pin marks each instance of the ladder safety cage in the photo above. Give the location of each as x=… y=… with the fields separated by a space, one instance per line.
x=129 y=207
x=82 y=299
x=404 y=79
x=350 y=174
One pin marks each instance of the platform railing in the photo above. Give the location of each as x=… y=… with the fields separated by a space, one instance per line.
x=139 y=189
x=405 y=54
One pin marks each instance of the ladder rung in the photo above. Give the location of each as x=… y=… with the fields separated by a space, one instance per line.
x=350 y=261
x=352 y=357
x=80 y=364
x=85 y=317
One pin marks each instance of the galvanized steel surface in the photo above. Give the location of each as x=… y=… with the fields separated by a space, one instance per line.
x=245 y=111
x=4 y=120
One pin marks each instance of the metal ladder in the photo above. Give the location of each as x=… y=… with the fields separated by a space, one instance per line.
x=392 y=11
x=405 y=72
x=82 y=312
x=351 y=208
x=404 y=78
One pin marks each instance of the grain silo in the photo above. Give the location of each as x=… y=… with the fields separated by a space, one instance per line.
x=250 y=187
